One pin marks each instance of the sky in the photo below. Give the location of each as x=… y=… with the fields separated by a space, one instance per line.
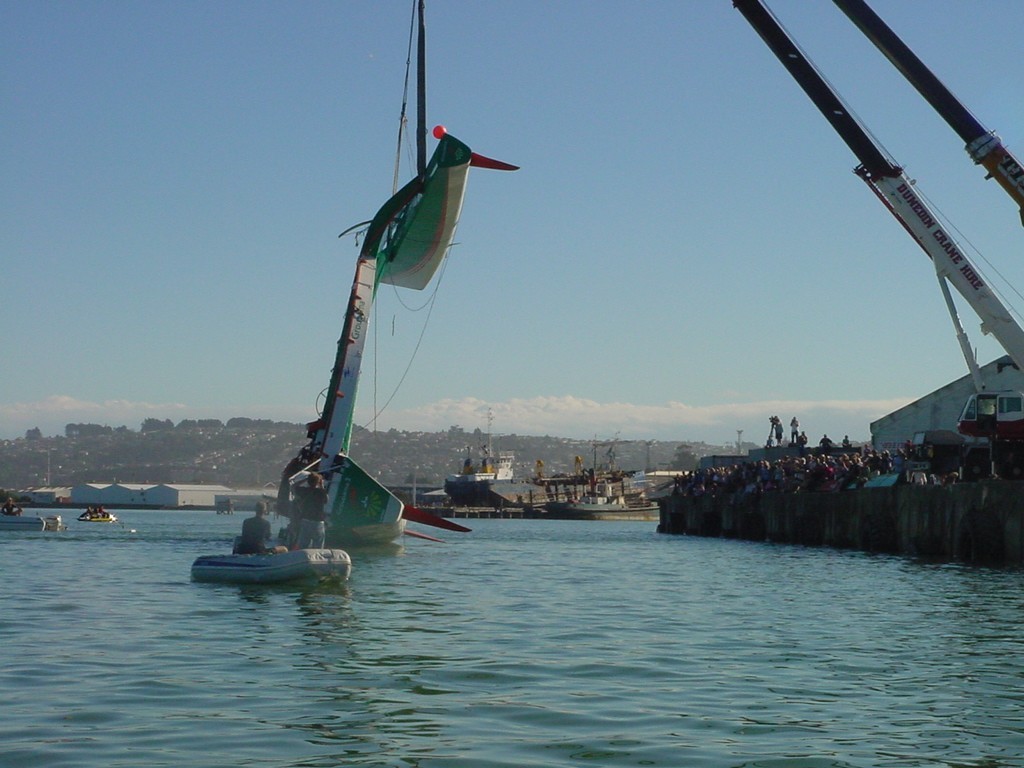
x=684 y=252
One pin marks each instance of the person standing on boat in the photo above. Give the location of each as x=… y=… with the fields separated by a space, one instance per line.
x=255 y=533
x=312 y=504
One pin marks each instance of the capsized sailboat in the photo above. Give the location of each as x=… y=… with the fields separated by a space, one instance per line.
x=405 y=244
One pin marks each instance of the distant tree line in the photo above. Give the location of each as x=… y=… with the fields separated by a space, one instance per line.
x=159 y=425
x=88 y=430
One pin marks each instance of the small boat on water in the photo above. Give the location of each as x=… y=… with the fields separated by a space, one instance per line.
x=274 y=568
x=616 y=497
x=97 y=516
x=31 y=523
x=600 y=508
x=19 y=523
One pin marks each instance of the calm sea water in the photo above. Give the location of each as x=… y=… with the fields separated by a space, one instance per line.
x=523 y=643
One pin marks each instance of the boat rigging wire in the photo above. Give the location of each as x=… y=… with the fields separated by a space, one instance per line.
x=835 y=91
x=963 y=238
x=403 y=119
x=355 y=227
x=402 y=132
x=429 y=305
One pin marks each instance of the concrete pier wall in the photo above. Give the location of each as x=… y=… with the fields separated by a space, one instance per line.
x=975 y=522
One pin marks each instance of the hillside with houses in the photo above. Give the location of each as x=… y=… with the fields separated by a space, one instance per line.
x=250 y=453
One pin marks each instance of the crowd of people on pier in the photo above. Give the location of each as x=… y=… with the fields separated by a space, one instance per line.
x=812 y=472
x=827 y=468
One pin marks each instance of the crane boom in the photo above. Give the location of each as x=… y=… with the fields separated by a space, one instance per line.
x=814 y=85
x=984 y=147
x=892 y=187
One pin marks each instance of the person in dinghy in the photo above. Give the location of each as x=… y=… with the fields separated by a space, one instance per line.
x=255 y=534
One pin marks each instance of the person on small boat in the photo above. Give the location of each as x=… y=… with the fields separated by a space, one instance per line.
x=10 y=508
x=255 y=533
x=312 y=503
x=95 y=514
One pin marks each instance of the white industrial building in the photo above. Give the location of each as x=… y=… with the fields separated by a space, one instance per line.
x=48 y=494
x=146 y=495
x=187 y=495
x=941 y=409
x=128 y=495
x=245 y=499
x=89 y=494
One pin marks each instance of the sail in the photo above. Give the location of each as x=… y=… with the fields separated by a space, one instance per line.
x=405 y=244
x=423 y=230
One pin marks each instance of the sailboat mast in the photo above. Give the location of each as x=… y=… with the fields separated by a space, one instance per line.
x=421 y=95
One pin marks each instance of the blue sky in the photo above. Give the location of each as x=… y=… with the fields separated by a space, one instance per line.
x=684 y=253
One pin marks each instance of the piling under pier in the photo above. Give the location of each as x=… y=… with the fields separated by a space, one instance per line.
x=977 y=522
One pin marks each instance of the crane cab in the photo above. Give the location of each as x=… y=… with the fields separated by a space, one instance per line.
x=996 y=415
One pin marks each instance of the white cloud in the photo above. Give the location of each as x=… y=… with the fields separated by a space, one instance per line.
x=569 y=416
x=52 y=413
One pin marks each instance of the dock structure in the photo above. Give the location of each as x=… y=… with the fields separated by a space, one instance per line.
x=509 y=513
x=976 y=522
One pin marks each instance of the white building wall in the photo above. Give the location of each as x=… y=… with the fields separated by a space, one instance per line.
x=163 y=496
x=47 y=495
x=128 y=494
x=191 y=495
x=146 y=495
x=89 y=493
x=941 y=409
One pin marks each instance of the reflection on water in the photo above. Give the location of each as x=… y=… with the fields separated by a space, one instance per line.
x=524 y=643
